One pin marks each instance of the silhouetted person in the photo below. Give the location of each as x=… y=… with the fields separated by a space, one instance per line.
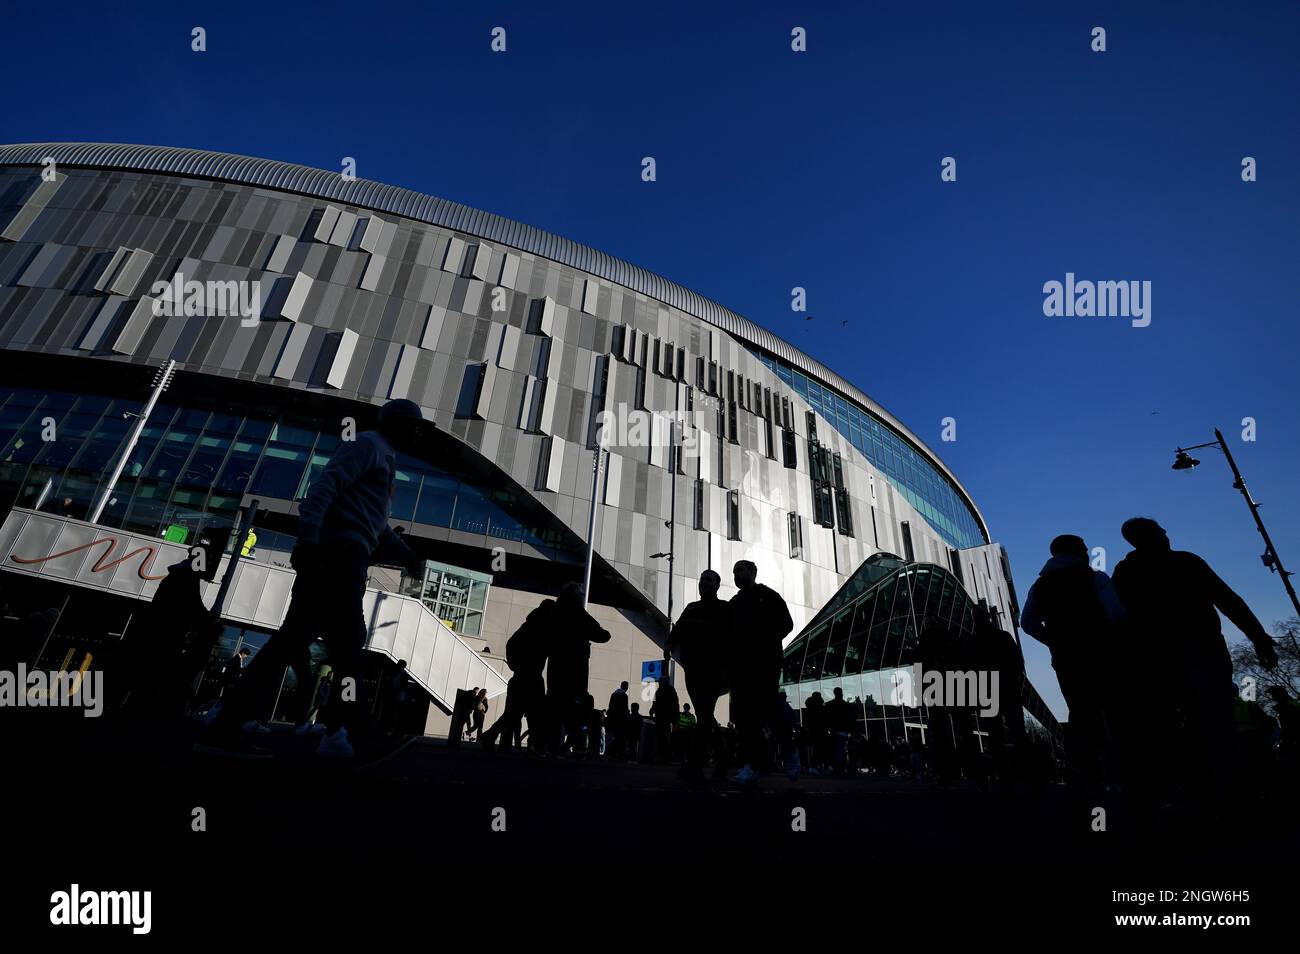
x=234 y=668
x=342 y=529
x=785 y=727
x=841 y=720
x=940 y=652
x=814 y=723
x=571 y=630
x=916 y=753
x=760 y=621
x=1076 y=612
x=634 y=722
x=702 y=633
x=395 y=696
x=616 y=722
x=594 y=722
x=526 y=652
x=478 y=715
x=994 y=650
x=881 y=754
x=664 y=711
x=1172 y=597
x=684 y=734
x=170 y=645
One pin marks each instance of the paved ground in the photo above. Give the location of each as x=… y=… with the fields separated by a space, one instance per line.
x=144 y=778
x=103 y=802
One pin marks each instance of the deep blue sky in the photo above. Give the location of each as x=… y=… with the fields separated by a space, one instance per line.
x=821 y=169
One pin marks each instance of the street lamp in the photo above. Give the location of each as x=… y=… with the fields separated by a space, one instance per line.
x=161 y=379
x=671 y=524
x=591 y=520
x=1185 y=461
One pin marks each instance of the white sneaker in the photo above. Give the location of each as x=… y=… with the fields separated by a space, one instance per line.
x=746 y=776
x=336 y=745
x=256 y=726
x=309 y=728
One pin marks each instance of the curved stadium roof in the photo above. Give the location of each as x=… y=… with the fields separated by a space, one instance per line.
x=379 y=197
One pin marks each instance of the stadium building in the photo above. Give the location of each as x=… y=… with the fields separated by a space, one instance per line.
x=293 y=302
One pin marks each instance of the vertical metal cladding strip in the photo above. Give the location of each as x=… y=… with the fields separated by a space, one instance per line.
x=404 y=373
x=291 y=354
x=486 y=384
x=297 y=298
x=128 y=339
x=93 y=337
x=342 y=357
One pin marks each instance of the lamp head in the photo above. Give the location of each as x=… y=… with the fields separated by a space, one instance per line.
x=1184 y=461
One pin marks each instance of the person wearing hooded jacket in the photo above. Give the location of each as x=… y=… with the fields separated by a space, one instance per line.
x=342 y=529
x=1076 y=612
x=570 y=632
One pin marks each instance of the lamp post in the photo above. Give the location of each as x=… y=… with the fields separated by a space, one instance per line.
x=1185 y=461
x=161 y=379
x=591 y=520
x=671 y=524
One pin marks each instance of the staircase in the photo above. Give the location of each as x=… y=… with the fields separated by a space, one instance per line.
x=81 y=554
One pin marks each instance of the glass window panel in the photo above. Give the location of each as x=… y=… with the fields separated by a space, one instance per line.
x=869 y=690
x=189 y=417
x=437 y=495
x=224 y=424
x=169 y=459
x=282 y=433
x=147 y=508
x=792 y=665
x=815 y=657
x=474 y=511
x=405 y=490
x=255 y=429
x=238 y=468
x=201 y=470
x=100 y=451
x=837 y=646
x=280 y=472
x=909 y=645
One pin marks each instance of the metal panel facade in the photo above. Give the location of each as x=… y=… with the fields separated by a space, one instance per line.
x=433 y=306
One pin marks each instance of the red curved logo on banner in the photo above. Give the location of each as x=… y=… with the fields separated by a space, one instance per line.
x=102 y=563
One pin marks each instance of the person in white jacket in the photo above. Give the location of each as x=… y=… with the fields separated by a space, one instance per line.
x=342 y=529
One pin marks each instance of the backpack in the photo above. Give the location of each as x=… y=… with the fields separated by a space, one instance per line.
x=524 y=648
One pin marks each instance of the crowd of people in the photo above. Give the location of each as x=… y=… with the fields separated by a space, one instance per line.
x=733 y=645
x=1140 y=658
x=1141 y=661
x=1146 y=673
